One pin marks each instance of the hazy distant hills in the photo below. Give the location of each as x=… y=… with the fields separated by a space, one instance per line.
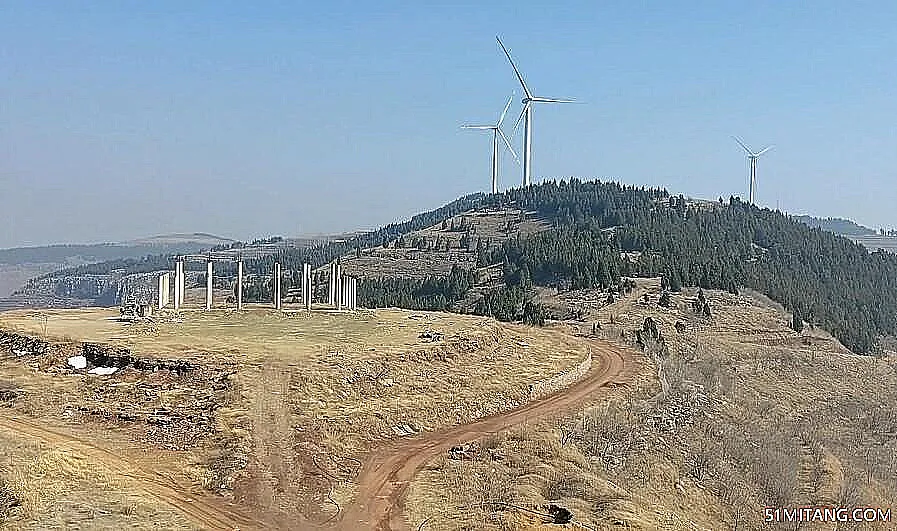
x=869 y=238
x=97 y=252
x=19 y=264
x=844 y=227
x=195 y=238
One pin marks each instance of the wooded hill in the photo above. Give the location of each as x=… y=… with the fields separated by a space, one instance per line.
x=819 y=276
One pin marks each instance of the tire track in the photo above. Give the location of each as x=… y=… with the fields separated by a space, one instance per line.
x=206 y=511
x=379 y=504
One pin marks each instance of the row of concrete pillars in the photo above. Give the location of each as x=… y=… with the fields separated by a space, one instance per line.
x=342 y=289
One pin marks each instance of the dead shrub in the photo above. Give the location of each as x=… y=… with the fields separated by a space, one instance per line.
x=561 y=485
x=8 y=499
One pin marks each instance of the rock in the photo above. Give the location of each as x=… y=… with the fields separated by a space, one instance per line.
x=78 y=362
x=103 y=371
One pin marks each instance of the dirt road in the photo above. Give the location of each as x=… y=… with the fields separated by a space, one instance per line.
x=385 y=476
x=207 y=512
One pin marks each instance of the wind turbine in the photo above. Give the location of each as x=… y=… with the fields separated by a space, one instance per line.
x=753 y=158
x=496 y=134
x=526 y=114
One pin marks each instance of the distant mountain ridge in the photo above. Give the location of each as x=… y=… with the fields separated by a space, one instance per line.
x=176 y=239
x=841 y=226
x=97 y=252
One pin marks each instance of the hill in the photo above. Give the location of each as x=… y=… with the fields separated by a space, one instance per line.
x=841 y=226
x=19 y=264
x=868 y=238
x=589 y=235
x=727 y=415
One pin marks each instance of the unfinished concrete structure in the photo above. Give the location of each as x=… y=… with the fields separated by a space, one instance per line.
x=164 y=287
x=178 y=283
x=240 y=285
x=209 y=285
x=275 y=288
x=342 y=288
x=306 y=286
x=332 y=284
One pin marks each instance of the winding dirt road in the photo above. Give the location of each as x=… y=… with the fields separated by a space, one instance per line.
x=384 y=477
x=386 y=474
x=207 y=512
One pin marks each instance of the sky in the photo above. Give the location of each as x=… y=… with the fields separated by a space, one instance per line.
x=124 y=119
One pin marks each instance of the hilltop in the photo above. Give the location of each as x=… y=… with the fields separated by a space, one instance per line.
x=494 y=254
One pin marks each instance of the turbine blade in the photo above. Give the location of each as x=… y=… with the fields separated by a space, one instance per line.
x=508 y=144
x=740 y=143
x=504 y=112
x=519 y=118
x=764 y=150
x=552 y=100
x=516 y=71
x=477 y=127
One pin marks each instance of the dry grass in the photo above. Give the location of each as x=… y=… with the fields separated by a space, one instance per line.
x=57 y=487
x=306 y=395
x=736 y=413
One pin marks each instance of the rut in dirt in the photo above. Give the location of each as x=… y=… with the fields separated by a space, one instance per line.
x=379 y=504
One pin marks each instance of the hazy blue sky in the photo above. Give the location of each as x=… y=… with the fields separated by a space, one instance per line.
x=121 y=119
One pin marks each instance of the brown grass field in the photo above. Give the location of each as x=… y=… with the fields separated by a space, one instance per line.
x=275 y=412
x=732 y=414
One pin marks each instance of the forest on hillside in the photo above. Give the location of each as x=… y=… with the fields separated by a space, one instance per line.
x=821 y=277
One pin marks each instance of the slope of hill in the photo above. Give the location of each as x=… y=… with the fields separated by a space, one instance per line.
x=589 y=235
x=868 y=238
x=727 y=416
x=841 y=226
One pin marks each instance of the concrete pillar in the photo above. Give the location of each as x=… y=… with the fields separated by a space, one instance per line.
x=331 y=300
x=339 y=287
x=181 y=284
x=177 y=285
x=167 y=289
x=306 y=286
x=354 y=294
x=209 y=285
x=276 y=287
x=240 y=285
x=162 y=290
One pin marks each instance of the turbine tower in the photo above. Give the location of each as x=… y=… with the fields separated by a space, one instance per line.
x=753 y=158
x=526 y=114
x=496 y=134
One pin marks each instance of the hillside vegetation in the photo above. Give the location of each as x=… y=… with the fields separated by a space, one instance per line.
x=822 y=278
x=599 y=232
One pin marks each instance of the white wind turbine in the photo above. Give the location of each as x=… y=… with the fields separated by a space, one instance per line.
x=753 y=158
x=496 y=134
x=527 y=116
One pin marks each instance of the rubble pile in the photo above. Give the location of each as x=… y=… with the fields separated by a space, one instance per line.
x=177 y=410
x=20 y=345
x=106 y=356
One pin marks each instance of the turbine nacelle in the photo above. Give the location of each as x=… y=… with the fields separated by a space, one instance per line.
x=750 y=153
